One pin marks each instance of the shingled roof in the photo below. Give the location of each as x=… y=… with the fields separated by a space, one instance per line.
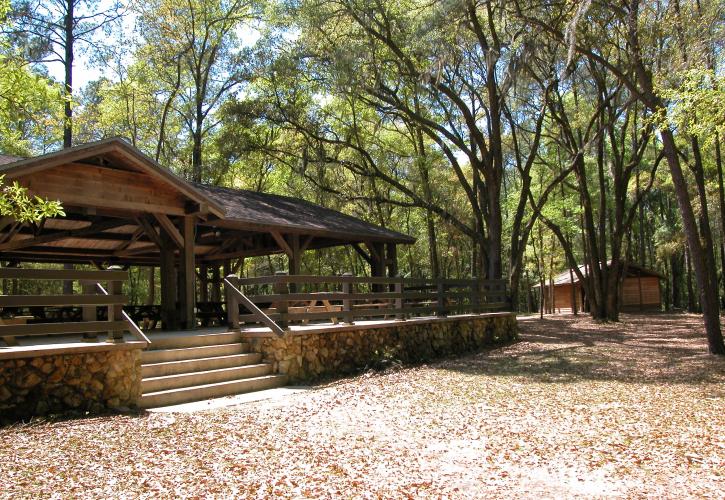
x=565 y=278
x=286 y=213
x=5 y=159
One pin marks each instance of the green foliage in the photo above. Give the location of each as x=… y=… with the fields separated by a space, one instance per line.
x=29 y=103
x=19 y=206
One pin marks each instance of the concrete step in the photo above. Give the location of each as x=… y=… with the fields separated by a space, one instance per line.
x=208 y=351
x=193 y=340
x=198 y=365
x=168 y=382
x=208 y=391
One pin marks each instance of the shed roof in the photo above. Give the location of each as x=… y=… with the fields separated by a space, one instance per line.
x=286 y=213
x=565 y=278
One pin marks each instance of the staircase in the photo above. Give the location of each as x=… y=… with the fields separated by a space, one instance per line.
x=185 y=368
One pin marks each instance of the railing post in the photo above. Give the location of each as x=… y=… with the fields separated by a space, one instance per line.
x=475 y=295
x=115 y=312
x=89 y=312
x=281 y=288
x=398 y=289
x=441 y=307
x=232 y=303
x=347 y=303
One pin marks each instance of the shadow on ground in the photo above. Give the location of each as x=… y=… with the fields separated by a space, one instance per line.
x=653 y=348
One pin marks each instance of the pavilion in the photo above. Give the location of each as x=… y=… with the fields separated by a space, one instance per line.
x=123 y=208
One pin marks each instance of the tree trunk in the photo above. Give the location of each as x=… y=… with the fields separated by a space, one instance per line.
x=68 y=105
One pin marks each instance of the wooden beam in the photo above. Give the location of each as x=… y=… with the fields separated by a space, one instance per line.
x=11 y=232
x=61 y=235
x=362 y=253
x=374 y=253
x=188 y=274
x=305 y=244
x=169 y=316
x=136 y=251
x=171 y=229
x=294 y=259
x=5 y=222
x=134 y=237
x=279 y=238
x=228 y=243
x=150 y=230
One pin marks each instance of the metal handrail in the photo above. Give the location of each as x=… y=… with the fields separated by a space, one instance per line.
x=134 y=329
x=251 y=306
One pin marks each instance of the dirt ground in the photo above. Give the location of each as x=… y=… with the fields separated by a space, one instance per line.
x=575 y=409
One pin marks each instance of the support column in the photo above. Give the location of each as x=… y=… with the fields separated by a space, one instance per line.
x=187 y=272
x=294 y=260
x=377 y=256
x=216 y=280
x=391 y=259
x=204 y=283
x=296 y=256
x=152 y=286
x=377 y=263
x=167 y=268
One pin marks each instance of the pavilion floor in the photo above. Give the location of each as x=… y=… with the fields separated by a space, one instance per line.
x=253 y=331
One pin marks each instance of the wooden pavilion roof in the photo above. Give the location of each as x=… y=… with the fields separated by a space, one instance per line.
x=119 y=202
x=254 y=210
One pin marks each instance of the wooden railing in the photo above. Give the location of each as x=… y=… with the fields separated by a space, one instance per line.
x=93 y=311
x=277 y=301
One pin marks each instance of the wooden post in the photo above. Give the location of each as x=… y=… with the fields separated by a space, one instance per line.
x=347 y=303
x=391 y=258
x=89 y=312
x=152 y=286
x=215 y=277
x=398 y=289
x=232 y=303
x=281 y=306
x=294 y=260
x=187 y=268
x=114 y=312
x=169 y=316
x=204 y=283
x=475 y=295
x=440 y=306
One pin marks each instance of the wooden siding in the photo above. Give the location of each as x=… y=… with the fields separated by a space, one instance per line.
x=649 y=287
x=93 y=186
x=632 y=287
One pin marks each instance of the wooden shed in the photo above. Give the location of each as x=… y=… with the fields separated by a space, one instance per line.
x=640 y=290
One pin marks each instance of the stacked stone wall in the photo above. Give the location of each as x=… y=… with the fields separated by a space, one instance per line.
x=308 y=356
x=83 y=381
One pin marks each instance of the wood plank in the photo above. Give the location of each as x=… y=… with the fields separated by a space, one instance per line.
x=149 y=230
x=60 y=300
x=250 y=306
x=61 y=235
x=286 y=248
x=366 y=257
x=61 y=274
x=62 y=328
x=188 y=274
x=170 y=229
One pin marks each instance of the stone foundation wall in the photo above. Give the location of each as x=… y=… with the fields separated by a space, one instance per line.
x=311 y=355
x=84 y=381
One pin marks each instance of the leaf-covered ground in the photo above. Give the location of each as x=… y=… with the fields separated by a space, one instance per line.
x=574 y=409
